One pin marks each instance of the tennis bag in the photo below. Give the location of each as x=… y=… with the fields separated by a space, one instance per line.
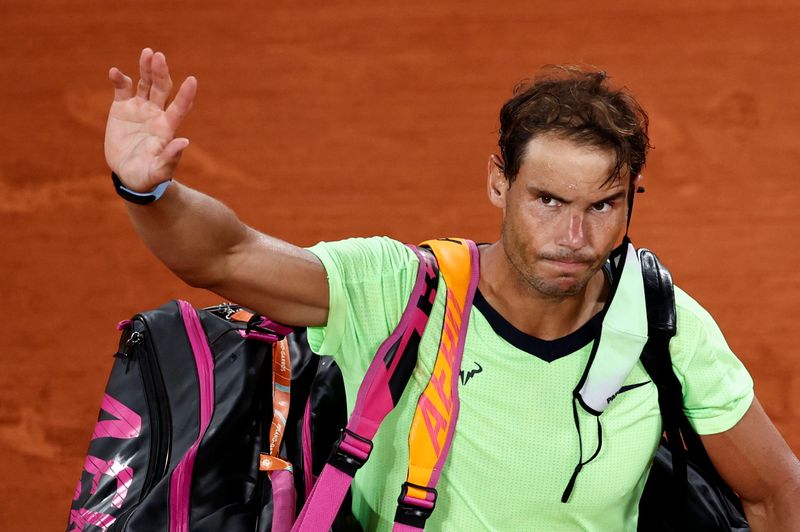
x=185 y=416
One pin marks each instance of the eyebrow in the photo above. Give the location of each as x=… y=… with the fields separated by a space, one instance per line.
x=542 y=192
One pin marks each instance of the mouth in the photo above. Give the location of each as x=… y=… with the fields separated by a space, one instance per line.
x=568 y=265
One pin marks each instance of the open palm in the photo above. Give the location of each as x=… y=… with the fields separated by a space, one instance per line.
x=140 y=143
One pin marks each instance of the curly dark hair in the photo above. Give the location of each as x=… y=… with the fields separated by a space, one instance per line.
x=575 y=103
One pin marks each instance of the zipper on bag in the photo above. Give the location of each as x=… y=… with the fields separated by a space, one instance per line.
x=139 y=347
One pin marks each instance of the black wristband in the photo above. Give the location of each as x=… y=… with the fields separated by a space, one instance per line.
x=140 y=198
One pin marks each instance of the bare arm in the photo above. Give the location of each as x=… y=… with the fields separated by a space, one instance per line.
x=757 y=463
x=196 y=236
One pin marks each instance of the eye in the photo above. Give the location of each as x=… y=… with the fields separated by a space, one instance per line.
x=601 y=206
x=549 y=201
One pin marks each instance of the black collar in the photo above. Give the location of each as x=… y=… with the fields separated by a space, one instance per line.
x=547 y=350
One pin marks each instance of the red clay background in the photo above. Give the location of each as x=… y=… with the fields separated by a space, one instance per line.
x=324 y=120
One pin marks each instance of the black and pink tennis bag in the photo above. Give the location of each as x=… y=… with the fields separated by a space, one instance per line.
x=181 y=424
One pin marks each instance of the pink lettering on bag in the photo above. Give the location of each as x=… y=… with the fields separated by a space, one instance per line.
x=127 y=424
x=97 y=467
x=83 y=518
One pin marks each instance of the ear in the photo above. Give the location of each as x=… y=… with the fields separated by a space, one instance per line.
x=496 y=182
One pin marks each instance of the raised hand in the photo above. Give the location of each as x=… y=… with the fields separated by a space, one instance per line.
x=140 y=143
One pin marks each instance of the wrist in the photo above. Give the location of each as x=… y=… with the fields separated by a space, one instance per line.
x=140 y=198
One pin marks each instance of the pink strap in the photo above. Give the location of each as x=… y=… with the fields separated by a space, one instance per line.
x=325 y=507
x=283 y=500
x=181 y=476
x=267 y=338
x=266 y=323
x=377 y=396
x=400 y=527
x=308 y=455
x=265 y=330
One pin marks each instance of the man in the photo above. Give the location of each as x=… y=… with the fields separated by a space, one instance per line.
x=572 y=149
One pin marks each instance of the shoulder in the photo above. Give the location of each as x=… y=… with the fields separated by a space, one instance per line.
x=690 y=313
x=696 y=330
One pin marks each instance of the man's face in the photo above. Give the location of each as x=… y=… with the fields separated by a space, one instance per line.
x=560 y=222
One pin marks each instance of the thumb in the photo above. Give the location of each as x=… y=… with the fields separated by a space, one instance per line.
x=164 y=165
x=174 y=149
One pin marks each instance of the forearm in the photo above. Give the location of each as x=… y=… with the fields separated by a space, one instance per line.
x=190 y=232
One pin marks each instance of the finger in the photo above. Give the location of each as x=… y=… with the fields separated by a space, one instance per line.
x=123 y=85
x=162 y=83
x=145 y=74
x=182 y=103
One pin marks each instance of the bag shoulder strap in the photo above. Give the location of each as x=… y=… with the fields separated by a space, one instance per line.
x=383 y=384
x=436 y=414
x=661 y=327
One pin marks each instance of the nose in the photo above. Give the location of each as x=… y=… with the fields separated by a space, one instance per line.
x=572 y=234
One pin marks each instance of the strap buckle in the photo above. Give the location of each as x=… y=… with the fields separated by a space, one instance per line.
x=413 y=511
x=349 y=457
x=254 y=324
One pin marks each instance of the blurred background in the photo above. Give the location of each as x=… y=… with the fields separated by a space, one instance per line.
x=318 y=121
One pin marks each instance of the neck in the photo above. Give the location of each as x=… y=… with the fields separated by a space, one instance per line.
x=530 y=311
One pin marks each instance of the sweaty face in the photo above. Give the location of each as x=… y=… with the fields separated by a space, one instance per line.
x=560 y=222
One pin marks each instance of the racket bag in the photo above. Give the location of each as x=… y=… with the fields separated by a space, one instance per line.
x=184 y=417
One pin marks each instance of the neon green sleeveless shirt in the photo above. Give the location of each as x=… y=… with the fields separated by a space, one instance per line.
x=515 y=444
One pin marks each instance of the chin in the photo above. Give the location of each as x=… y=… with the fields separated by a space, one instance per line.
x=563 y=292
x=557 y=287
